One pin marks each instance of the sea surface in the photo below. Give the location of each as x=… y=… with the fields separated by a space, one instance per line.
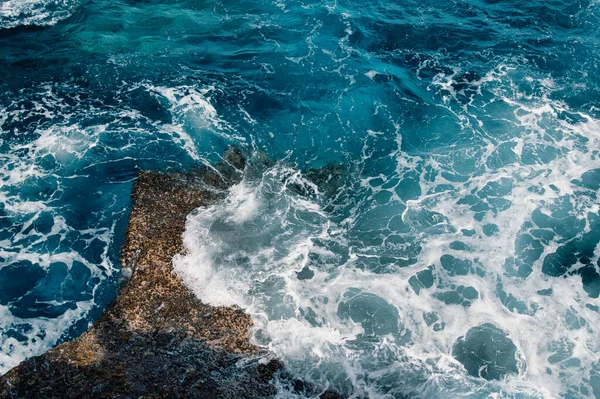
x=428 y=226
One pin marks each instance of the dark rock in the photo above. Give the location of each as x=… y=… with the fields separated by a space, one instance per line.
x=329 y=179
x=234 y=157
x=266 y=371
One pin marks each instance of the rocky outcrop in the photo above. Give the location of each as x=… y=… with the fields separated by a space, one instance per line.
x=157 y=339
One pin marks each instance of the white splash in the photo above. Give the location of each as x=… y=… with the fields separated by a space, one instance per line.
x=252 y=249
x=15 y=13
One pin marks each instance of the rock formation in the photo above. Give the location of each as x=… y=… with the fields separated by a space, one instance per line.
x=156 y=339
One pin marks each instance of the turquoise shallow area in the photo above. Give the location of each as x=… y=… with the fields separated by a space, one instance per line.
x=451 y=249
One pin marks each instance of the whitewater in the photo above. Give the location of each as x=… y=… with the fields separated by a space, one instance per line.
x=418 y=216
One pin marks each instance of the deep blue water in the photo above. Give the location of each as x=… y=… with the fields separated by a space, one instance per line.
x=454 y=253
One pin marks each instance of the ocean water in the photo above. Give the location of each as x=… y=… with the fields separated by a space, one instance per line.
x=428 y=226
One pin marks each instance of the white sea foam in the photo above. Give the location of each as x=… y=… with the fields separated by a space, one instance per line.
x=252 y=249
x=193 y=117
x=35 y=12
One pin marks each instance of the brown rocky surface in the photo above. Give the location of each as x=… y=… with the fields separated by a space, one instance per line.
x=157 y=340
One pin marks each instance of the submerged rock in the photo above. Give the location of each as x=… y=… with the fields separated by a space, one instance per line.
x=326 y=181
x=329 y=179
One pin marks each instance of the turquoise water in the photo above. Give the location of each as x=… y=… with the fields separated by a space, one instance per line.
x=449 y=247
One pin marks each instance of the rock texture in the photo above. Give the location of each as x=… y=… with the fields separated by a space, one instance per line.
x=156 y=340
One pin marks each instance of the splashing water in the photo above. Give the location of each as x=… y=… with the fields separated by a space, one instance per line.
x=430 y=229
x=15 y=13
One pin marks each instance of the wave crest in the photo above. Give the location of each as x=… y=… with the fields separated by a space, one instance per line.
x=15 y=13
